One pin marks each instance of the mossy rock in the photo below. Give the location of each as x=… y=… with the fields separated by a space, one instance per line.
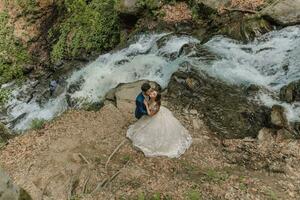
x=246 y=29
x=4 y=135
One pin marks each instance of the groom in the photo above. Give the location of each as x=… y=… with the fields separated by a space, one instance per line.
x=140 y=106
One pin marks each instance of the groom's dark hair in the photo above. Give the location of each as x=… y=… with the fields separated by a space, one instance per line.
x=145 y=87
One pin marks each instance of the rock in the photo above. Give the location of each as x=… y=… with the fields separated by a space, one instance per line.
x=278 y=116
x=226 y=108
x=196 y=124
x=244 y=29
x=9 y=191
x=285 y=12
x=123 y=96
x=128 y=7
x=265 y=135
x=4 y=135
x=284 y=134
x=193 y=111
x=213 y=5
x=290 y=92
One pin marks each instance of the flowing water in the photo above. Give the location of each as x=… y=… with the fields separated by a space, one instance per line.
x=271 y=61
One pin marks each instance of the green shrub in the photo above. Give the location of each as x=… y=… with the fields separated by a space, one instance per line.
x=148 y=4
x=4 y=96
x=28 y=6
x=12 y=53
x=87 y=26
x=37 y=124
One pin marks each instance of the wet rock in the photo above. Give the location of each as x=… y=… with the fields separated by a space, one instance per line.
x=290 y=92
x=9 y=191
x=278 y=116
x=244 y=29
x=197 y=51
x=285 y=12
x=252 y=89
x=226 y=108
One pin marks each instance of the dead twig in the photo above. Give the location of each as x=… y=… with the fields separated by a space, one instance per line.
x=100 y=185
x=73 y=184
x=107 y=181
x=46 y=185
x=85 y=184
x=84 y=158
x=113 y=153
x=240 y=10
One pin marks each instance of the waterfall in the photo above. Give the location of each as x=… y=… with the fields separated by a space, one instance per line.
x=270 y=61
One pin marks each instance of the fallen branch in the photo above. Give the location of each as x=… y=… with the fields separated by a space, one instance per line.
x=84 y=158
x=100 y=185
x=240 y=10
x=85 y=184
x=107 y=181
x=48 y=182
x=113 y=153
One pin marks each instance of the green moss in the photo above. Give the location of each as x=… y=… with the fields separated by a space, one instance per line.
x=12 y=53
x=193 y=195
x=4 y=96
x=87 y=26
x=37 y=124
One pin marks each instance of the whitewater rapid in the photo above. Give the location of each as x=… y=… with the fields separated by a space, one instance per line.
x=270 y=61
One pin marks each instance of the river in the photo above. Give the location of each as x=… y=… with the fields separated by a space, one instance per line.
x=271 y=61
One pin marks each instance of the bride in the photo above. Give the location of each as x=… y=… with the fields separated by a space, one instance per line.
x=159 y=133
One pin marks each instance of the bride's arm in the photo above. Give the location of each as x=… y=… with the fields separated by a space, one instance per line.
x=147 y=107
x=154 y=112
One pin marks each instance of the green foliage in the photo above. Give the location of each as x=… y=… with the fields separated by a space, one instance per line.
x=28 y=6
x=12 y=54
x=148 y=4
x=151 y=196
x=193 y=195
x=37 y=124
x=87 y=26
x=4 y=96
x=271 y=195
x=215 y=176
x=4 y=135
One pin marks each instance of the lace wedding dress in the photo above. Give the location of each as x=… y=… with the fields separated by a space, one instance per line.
x=160 y=135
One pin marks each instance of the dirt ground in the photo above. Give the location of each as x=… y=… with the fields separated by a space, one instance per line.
x=72 y=158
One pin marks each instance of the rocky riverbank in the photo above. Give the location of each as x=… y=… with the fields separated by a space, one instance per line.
x=242 y=147
x=85 y=154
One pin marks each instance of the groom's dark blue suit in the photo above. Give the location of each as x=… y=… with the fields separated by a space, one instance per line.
x=140 y=106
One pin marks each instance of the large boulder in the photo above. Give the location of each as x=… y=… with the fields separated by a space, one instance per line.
x=225 y=108
x=278 y=117
x=285 y=12
x=9 y=191
x=290 y=92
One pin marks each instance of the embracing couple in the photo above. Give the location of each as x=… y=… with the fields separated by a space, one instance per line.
x=157 y=132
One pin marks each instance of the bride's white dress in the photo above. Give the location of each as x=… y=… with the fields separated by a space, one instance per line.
x=160 y=135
